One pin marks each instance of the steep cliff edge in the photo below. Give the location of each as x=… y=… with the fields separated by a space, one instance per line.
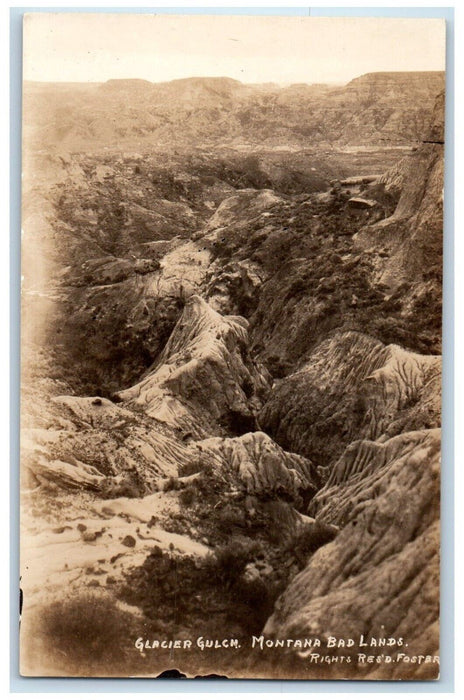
x=412 y=237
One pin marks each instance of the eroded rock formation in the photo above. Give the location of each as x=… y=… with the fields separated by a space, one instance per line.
x=352 y=387
x=253 y=463
x=379 y=577
x=204 y=373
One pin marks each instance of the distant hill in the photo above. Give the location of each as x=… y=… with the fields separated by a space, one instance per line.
x=374 y=109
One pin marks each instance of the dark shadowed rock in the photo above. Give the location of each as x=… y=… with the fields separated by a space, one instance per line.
x=129 y=541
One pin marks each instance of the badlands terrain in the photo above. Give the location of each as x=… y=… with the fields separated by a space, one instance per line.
x=231 y=375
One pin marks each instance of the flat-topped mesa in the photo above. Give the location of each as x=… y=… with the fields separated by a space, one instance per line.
x=403 y=86
x=379 y=577
x=204 y=374
x=126 y=83
x=352 y=387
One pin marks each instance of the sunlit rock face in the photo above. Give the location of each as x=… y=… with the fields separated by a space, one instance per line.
x=204 y=373
x=254 y=464
x=204 y=381
x=93 y=444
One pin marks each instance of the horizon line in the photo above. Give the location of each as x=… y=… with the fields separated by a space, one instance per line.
x=222 y=77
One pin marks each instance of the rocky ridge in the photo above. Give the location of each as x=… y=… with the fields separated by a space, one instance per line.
x=204 y=363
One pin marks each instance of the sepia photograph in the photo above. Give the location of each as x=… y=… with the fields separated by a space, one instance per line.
x=231 y=338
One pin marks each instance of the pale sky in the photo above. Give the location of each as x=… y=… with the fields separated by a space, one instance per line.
x=79 y=47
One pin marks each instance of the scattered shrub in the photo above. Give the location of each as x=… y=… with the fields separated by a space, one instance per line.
x=192 y=467
x=309 y=539
x=228 y=562
x=187 y=496
x=83 y=633
x=172 y=484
